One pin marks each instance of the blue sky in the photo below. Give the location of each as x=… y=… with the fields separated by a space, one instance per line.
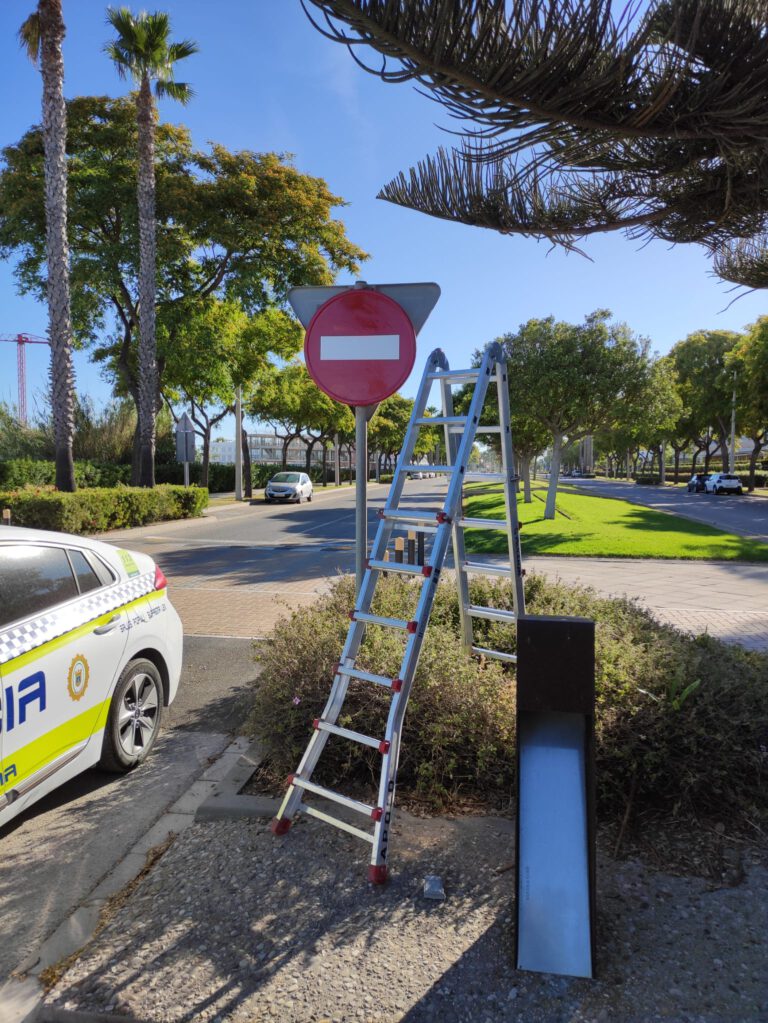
x=266 y=80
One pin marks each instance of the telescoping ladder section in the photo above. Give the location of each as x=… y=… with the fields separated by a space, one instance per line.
x=446 y=525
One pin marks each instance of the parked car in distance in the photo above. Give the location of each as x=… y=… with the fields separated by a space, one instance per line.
x=696 y=483
x=90 y=653
x=722 y=483
x=416 y=475
x=289 y=486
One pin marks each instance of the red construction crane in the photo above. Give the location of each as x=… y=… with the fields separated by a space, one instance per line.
x=21 y=341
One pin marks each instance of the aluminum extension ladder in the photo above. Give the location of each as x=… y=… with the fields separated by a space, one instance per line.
x=446 y=525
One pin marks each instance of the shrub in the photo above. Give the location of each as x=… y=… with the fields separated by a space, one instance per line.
x=97 y=509
x=680 y=721
x=22 y=472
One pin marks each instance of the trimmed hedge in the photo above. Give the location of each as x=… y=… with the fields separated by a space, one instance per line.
x=99 y=508
x=22 y=472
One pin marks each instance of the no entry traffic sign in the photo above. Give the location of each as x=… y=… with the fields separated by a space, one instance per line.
x=360 y=347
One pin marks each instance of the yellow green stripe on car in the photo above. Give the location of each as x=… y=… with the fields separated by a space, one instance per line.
x=40 y=752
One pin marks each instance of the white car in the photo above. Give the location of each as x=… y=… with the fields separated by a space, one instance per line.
x=722 y=483
x=90 y=653
x=289 y=486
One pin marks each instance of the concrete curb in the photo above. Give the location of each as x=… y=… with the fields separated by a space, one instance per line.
x=21 y=997
x=226 y=803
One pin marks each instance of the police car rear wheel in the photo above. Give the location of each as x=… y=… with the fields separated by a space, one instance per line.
x=134 y=717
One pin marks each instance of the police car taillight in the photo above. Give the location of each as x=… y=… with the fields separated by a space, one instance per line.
x=160 y=581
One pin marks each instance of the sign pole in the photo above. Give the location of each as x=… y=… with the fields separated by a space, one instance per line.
x=186 y=474
x=361 y=497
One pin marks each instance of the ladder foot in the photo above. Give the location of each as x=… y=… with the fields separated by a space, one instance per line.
x=280 y=825
x=377 y=874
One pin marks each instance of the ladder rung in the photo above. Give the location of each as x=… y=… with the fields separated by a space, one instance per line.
x=430 y=468
x=442 y=421
x=347 y=733
x=491 y=613
x=390 y=623
x=455 y=375
x=335 y=797
x=483 y=523
x=311 y=811
x=365 y=676
x=479 y=566
x=496 y=654
x=427 y=523
x=396 y=566
x=459 y=376
x=486 y=477
x=487 y=429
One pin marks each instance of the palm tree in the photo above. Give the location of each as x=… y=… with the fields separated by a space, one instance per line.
x=41 y=35
x=142 y=51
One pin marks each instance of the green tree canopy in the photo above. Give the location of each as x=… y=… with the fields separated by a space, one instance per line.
x=575 y=378
x=238 y=225
x=706 y=381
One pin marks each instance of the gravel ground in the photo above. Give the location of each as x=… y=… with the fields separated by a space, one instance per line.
x=233 y=924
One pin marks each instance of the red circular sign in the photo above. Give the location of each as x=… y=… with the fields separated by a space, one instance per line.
x=360 y=347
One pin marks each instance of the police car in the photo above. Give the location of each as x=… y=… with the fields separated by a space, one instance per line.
x=90 y=653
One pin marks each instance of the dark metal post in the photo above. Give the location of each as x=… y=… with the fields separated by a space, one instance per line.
x=361 y=495
x=420 y=548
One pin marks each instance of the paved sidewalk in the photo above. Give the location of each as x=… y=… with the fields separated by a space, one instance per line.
x=727 y=599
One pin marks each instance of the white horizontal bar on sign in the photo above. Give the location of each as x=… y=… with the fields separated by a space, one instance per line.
x=359 y=347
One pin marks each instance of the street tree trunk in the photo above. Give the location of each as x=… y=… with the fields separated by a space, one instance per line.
x=206 y=460
x=148 y=377
x=247 y=474
x=525 y=472
x=57 y=248
x=757 y=446
x=554 y=473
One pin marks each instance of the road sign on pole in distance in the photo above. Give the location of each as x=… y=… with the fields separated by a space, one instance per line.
x=360 y=347
x=185 y=444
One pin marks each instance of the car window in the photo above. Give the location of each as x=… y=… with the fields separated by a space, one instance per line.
x=33 y=579
x=286 y=477
x=305 y=479
x=87 y=579
x=728 y=476
x=105 y=574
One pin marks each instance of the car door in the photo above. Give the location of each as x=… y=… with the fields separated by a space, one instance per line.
x=57 y=659
x=306 y=485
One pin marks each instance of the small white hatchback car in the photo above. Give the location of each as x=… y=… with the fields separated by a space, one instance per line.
x=90 y=652
x=289 y=486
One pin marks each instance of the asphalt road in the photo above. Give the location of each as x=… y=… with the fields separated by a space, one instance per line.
x=745 y=515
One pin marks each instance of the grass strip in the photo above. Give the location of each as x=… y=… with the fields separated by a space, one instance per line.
x=602 y=527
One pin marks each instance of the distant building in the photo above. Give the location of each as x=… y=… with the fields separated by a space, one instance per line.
x=267 y=449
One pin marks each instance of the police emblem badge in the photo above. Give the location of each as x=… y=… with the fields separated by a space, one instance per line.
x=77 y=679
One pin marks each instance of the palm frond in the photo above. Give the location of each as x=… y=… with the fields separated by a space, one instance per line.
x=179 y=91
x=29 y=37
x=142 y=49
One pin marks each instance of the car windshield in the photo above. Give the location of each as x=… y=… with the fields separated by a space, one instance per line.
x=285 y=477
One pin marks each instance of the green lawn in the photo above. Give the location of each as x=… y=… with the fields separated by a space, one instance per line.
x=601 y=527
